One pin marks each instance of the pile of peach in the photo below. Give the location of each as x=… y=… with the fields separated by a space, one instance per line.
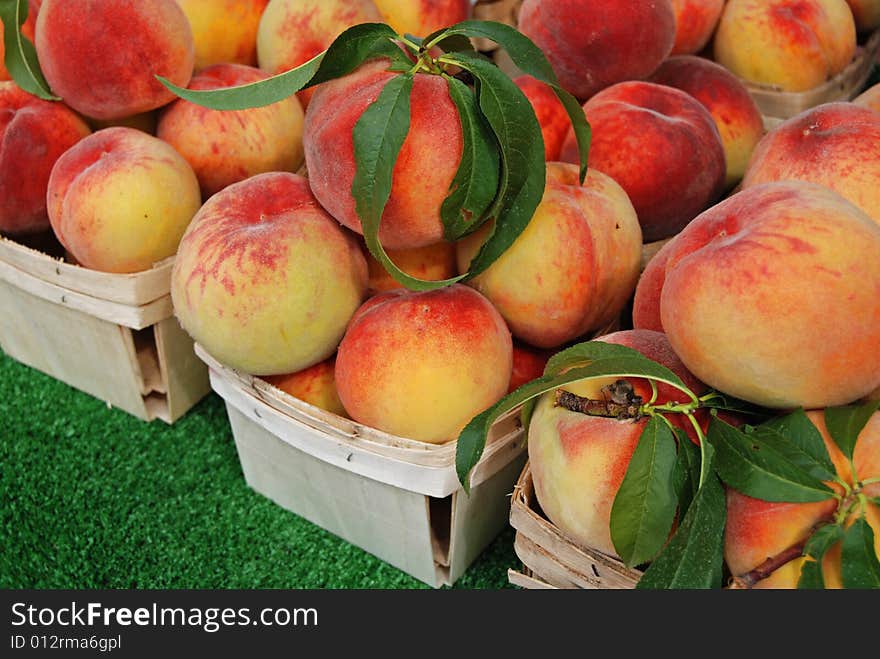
x=768 y=288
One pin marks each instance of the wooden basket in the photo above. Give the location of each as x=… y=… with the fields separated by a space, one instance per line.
x=111 y=336
x=397 y=498
x=550 y=558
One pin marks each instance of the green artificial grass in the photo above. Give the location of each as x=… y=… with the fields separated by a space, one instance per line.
x=92 y=498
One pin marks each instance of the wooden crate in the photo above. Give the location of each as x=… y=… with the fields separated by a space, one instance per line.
x=550 y=558
x=111 y=336
x=396 y=498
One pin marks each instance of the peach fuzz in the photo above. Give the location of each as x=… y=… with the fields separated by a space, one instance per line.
x=316 y=385
x=794 y=45
x=593 y=44
x=119 y=200
x=870 y=98
x=265 y=279
x=866 y=14
x=425 y=167
x=573 y=267
x=661 y=145
x=102 y=56
x=422 y=364
x=225 y=147
x=27 y=30
x=224 y=31
x=33 y=135
x=291 y=32
x=695 y=22
x=750 y=292
x=835 y=145
x=422 y=17
x=578 y=461
x=757 y=529
x=733 y=109
x=549 y=111
x=430 y=263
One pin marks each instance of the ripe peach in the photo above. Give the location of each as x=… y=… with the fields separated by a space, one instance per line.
x=528 y=364
x=27 y=30
x=227 y=147
x=422 y=17
x=757 y=530
x=733 y=109
x=763 y=279
x=573 y=268
x=315 y=385
x=870 y=98
x=578 y=461
x=834 y=144
x=661 y=145
x=265 y=279
x=224 y=31
x=102 y=56
x=593 y=44
x=423 y=364
x=431 y=263
x=33 y=135
x=695 y=22
x=866 y=14
x=291 y=32
x=424 y=169
x=550 y=112
x=119 y=200
x=792 y=44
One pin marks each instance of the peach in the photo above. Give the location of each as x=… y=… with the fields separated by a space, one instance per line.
x=27 y=30
x=695 y=22
x=265 y=279
x=578 y=461
x=224 y=31
x=750 y=292
x=425 y=167
x=794 y=45
x=870 y=98
x=550 y=112
x=866 y=14
x=228 y=147
x=661 y=145
x=291 y=32
x=143 y=121
x=315 y=385
x=733 y=109
x=528 y=364
x=573 y=268
x=423 y=364
x=757 y=530
x=119 y=200
x=33 y=135
x=422 y=17
x=834 y=144
x=431 y=263
x=593 y=44
x=102 y=56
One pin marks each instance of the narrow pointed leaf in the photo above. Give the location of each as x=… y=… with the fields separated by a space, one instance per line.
x=693 y=558
x=476 y=182
x=845 y=423
x=756 y=469
x=811 y=577
x=817 y=546
x=807 y=448
x=687 y=472
x=456 y=43
x=20 y=55
x=859 y=565
x=645 y=504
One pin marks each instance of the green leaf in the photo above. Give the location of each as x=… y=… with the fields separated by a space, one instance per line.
x=523 y=170
x=717 y=400
x=817 y=546
x=455 y=43
x=755 y=468
x=378 y=136
x=476 y=182
x=846 y=422
x=644 y=507
x=348 y=51
x=859 y=565
x=530 y=60
x=21 y=56
x=800 y=441
x=687 y=471
x=600 y=360
x=693 y=558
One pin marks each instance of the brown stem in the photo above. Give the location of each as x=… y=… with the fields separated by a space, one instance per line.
x=619 y=402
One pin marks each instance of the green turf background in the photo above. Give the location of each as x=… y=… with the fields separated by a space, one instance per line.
x=91 y=497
